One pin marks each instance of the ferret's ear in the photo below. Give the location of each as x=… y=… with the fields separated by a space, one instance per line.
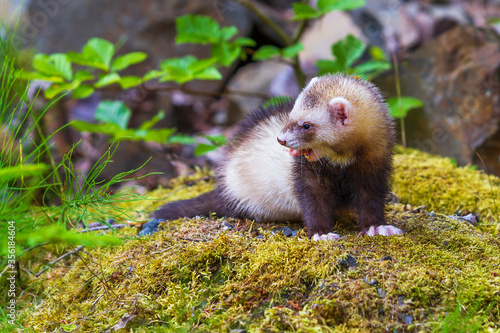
x=339 y=109
x=314 y=79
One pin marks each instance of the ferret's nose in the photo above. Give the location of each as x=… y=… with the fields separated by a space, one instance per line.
x=282 y=142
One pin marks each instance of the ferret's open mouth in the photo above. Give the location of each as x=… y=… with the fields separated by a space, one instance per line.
x=308 y=153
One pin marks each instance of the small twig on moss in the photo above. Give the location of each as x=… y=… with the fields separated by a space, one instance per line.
x=192 y=240
x=104 y=227
x=52 y=263
x=35 y=246
x=108 y=288
x=95 y=302
x=27 y=271
x=491 y=185
x=157 y=252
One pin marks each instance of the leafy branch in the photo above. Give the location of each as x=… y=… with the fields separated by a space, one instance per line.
x=99 y=67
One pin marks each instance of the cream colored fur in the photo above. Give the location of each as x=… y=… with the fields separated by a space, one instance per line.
x=259 y=174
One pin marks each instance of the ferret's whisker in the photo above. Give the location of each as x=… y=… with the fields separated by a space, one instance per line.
x=319 y=159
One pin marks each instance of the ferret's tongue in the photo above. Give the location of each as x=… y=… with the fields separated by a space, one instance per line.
x=308 y=153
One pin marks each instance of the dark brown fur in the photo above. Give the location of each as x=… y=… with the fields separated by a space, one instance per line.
x=324 y=190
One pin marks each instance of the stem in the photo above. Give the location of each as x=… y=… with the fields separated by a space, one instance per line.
x=398 y=91
x=300 y=29
x=287 y=40
x=270 y=23
x=403 y=132
x=298 y=33
x=301 y=80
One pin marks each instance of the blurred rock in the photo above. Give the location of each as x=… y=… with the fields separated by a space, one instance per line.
x=254 y=78
x=399 y=25
x=456 y=77
x=323 y=33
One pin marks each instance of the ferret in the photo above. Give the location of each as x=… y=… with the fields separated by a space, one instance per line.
x=311 y=160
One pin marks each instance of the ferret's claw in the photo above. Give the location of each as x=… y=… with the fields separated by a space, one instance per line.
x=326 y=237
x=384 y=230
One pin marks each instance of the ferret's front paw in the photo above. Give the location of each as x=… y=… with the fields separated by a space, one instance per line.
x=327 y=237
x=384 y=230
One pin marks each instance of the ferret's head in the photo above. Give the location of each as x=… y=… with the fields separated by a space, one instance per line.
x=330 y=117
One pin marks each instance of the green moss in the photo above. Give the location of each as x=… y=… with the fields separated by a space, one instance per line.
x=195 y=276
x=437 y=183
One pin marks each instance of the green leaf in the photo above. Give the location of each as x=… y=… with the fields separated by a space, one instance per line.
x=151 y=75
x=103 y=128
x=83 y=76
x=197 y=29
x=493 y=20
x=208 y=74
x=16 y=172
x=225 y=53
x=292 y=50
x=186 y=69
x=347 y=51
x=56 y=89
x=154 y=135
x=399 y=109
x=69 y=328
x=150 y=123
x=82 y=91
x=99 y=49
x=182 y=139
x=372 y=68
x=97 y=53
x=80 y=59
x=200 y=65
x=266 y=52
x=107 y=80
x=217 y=140
x=227 y=33
x=56 y=64
x=128 y=82
x=328 y=66
x=244 y=41
x=126 y=60
x=203 y=148
x=303 y=11
x=275 y=101
x=377 y=53
x=325 y=6
x=40 y=76
x=113 y=112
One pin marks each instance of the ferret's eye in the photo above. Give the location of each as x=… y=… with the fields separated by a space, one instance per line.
x=306 y=126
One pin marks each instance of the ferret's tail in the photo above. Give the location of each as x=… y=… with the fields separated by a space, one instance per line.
x=203 y=205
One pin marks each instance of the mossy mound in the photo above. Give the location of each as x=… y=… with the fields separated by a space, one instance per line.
x=206 y=275
x=195 y=277
x=436 y=182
